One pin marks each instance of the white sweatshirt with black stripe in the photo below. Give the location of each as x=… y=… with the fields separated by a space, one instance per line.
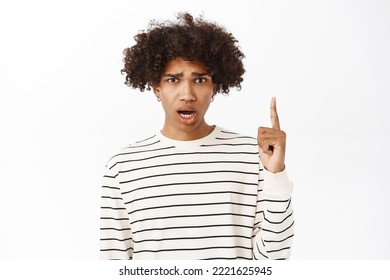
x=209 y=198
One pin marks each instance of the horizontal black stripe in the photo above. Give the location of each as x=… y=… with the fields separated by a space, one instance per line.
x=141 y=146
x=190 y=173
x=116 y=219
x=192 y=249
x=237 y=137
x=133 y=147
x=280 y=212
x=113 y=188
x=187 y=163
x=188 y=227
x=117 y=229
x=151 y=137
x=191 y=216
x=188 y=154
x=110 y=197
x=278 y=241
x=187 y=183
x=111 y=177
x=191 y=194
x=115 y=249
x=191 y=205
x=259 y=212
x=277 y=232
x=229 y=132
x=115 y=239
x=112 y=208
x=143 y=151
x=273 y=200
x=229 y=144
x=278 y=250
x=280 y=222
x=192 y=238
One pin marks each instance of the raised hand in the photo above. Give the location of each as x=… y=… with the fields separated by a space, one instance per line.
x=272 y=143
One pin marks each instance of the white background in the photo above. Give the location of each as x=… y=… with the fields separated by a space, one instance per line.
x=64 y=110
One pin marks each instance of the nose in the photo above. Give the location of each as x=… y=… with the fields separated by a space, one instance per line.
x=187 y=93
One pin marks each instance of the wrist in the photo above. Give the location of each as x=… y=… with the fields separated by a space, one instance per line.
x=275 y=169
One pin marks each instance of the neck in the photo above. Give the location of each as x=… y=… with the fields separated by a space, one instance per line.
x=187 y=134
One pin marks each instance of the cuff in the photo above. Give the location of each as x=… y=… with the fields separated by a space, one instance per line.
x=277 y=185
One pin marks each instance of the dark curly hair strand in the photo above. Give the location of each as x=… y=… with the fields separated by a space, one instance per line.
x=189 y=39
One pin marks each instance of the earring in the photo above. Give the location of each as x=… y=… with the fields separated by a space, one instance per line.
x=158 y=98
x=212 y=98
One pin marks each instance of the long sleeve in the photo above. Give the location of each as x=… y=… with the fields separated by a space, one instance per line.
x=115 y=234
x=206 y=199
x=274 y=222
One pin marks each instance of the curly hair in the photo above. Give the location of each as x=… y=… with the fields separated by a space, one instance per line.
x=189 y=39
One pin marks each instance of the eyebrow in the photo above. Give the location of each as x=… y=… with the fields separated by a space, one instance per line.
x=180 y=75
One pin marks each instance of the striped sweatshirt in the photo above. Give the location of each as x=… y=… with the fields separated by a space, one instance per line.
x=208 y=198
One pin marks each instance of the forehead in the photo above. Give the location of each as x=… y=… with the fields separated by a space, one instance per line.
x=180 y=65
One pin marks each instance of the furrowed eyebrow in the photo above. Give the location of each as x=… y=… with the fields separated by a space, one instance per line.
x=196 y=74
x=178 y=75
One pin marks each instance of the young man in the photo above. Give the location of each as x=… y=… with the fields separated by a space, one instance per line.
x=194 y=190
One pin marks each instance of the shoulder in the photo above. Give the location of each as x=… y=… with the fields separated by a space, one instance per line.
x=228 y=135
x=137 y=147
x=228 y=140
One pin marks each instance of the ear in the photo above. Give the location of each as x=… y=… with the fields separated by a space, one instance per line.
x=214 y=90
x=156 y=90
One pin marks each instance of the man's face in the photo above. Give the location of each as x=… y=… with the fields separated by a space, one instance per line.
x=185 y=91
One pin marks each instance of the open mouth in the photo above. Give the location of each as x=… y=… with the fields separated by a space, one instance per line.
x=186 y=114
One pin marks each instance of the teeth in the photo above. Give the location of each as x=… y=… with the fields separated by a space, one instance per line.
x=186 y=116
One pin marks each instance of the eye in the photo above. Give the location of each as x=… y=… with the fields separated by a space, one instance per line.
x=200 y=80
x=172 y=80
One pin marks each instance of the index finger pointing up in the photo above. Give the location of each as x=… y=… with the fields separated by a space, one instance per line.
x=274 y=115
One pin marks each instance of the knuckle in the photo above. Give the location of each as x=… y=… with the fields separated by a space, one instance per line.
x=261 y=132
